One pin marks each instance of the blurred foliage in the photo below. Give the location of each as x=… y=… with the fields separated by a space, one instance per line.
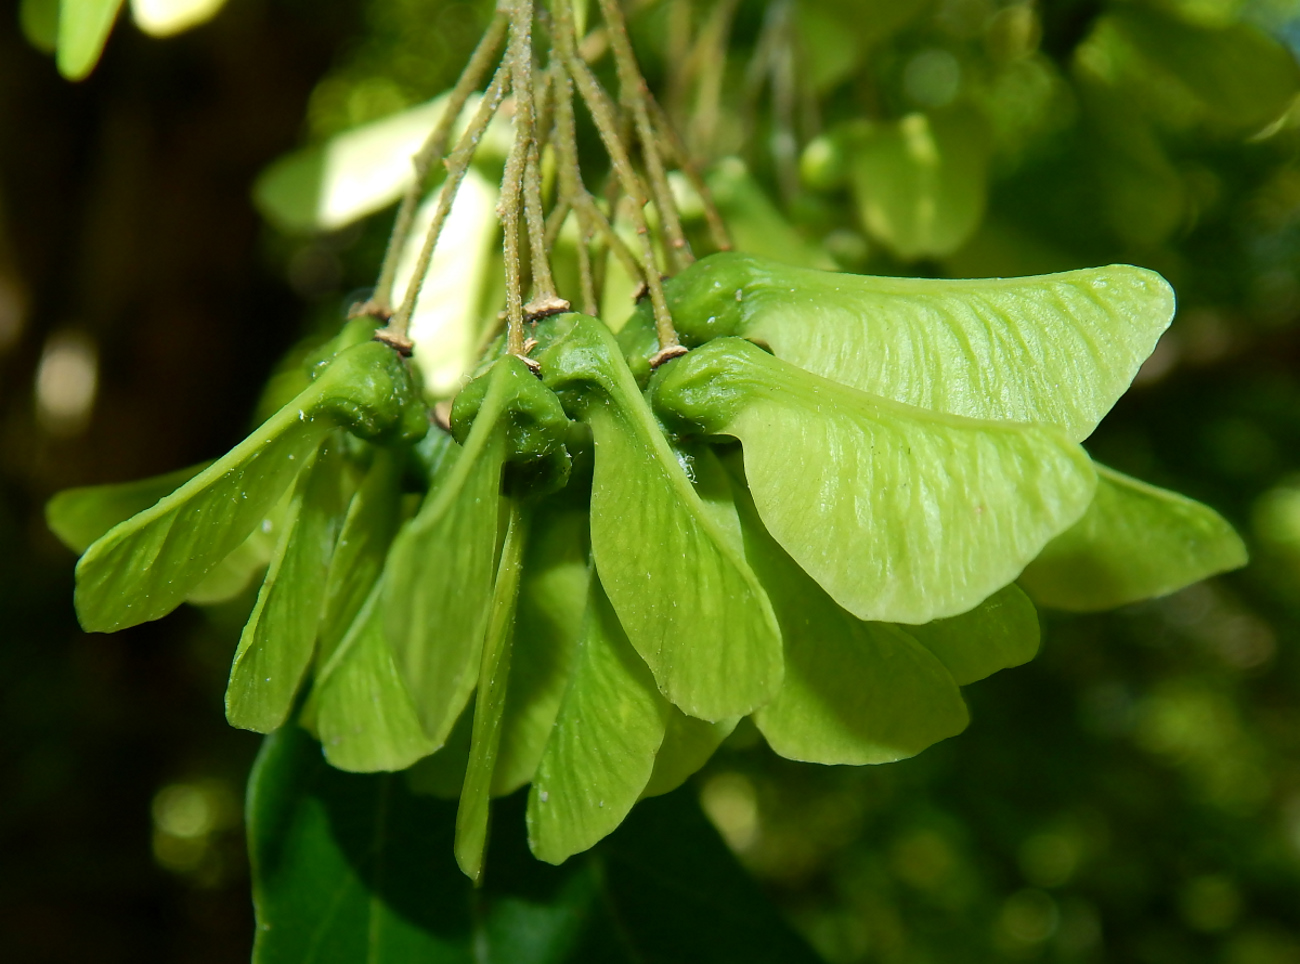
x=1131 y=795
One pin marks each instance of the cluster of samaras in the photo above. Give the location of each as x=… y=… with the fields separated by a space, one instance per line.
x=817 y=516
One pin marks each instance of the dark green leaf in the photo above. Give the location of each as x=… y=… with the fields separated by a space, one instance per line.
x=350 y=868
x=1135 y=541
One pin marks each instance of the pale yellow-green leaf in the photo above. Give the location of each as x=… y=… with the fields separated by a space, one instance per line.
x=900 y=514
x=1059 y=348
x=688 y=744
x=1000 y=632
x=1135 y=541
x=355 y=173
x=854 y=692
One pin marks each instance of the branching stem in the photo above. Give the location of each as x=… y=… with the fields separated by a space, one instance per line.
x=381 y=302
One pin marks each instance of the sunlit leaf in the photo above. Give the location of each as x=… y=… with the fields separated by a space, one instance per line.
x=854 y=692
x=688 y=602
x=360 y=708
x=146 y=566
x=1058 y=348
x=163 y=18
x=552 y=598
x=445 y=326
x=1000 y=632
x=1135 y=541
x=276 y=645
x=355 y=173
x=900 y=514
x=84 y=26
x=920 y=182
x=489 y=705
x=601 y=752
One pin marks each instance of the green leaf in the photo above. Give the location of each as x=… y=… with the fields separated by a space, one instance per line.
x=84 y=26
x=1057 y=348
x=276 y=645
x=921 y=183
x=900 y=514
x=438 y=579
x=552 y=599
x=373 y=517
x=145 y=567
x=688 y=743
x=1135 y=541
x=80 y=516
x=602 y=749
x=350 y=868
x=756 y=225
x=235 y=573
x=39 y=20
x=1000 y=632
x=854 y=692
x=489 y=706
x=688 y=602
x=360 y=707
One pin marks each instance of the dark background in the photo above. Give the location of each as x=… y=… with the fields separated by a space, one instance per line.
x=1132 y=795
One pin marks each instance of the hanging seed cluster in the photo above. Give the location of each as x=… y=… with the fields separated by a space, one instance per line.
x=797 y=496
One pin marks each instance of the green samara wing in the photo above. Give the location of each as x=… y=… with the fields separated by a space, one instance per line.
x=1057 y=349
x=900 y=514
x=601 y=752
x=1135 y=541
x=276 y=645
x=685 y=596
x=145 y=567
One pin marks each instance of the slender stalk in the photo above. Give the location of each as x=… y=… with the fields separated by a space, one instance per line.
x=545 y=301
x=586 y=278
x=590 y=217
x=603 y=113
x=633 y=94
x=381 y=302
x=717 y=227
x=457 y=163
x=519 y=56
